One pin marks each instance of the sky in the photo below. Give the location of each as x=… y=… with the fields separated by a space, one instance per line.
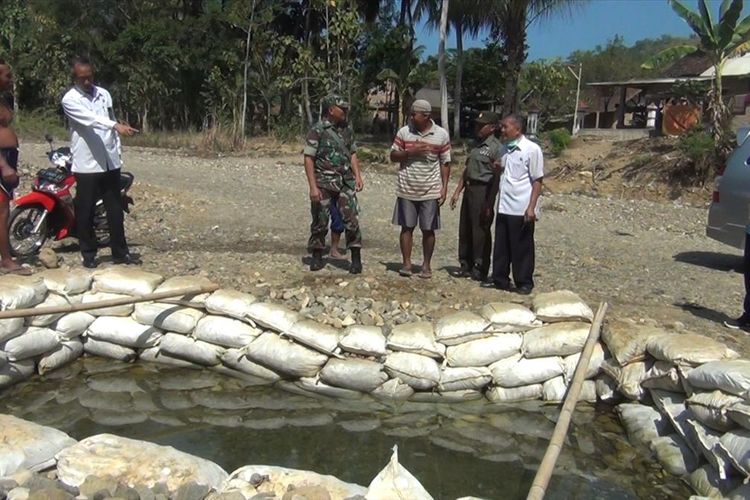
x=594 y=23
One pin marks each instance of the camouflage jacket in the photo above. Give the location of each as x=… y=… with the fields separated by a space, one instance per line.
x=331 y=148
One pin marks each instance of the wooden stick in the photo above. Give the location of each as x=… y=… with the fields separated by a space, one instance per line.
x=68 y=308
x=544 y=473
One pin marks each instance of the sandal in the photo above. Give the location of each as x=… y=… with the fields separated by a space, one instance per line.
x=425 y=275
x=19 y=271
x=405 y=272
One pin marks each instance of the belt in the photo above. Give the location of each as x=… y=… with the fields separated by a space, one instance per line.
x=472 y=182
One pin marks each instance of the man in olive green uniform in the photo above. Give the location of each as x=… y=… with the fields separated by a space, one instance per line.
x=333 y=176
x=474 y=233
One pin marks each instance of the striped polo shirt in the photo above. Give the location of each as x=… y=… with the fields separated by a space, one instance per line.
x=419 y=178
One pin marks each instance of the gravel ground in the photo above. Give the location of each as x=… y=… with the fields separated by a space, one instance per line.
x=244 y=222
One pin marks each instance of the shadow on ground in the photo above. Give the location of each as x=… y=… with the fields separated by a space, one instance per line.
x=718 y=261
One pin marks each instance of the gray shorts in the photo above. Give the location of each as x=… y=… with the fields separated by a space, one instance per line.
x=408 y=213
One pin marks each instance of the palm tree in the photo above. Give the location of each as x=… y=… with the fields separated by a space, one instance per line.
x=441 y=63
x=510 y=20
x=720 y=41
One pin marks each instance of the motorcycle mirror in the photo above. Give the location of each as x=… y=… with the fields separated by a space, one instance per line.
x=48 y=138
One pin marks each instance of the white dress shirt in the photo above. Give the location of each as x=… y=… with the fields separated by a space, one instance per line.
x=93 y=140
x=522 y=165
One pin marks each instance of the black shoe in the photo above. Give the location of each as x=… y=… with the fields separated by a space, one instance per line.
x=524 y=290
x=127 y=260
x=478 y=275
x=316 y=262
x=464 y=269
x=356 y=267
x=90 y=263
x=741 y=323
x=496 y=285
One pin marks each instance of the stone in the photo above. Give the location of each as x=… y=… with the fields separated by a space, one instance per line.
x=38 y=482
x=231 y=495
x=22 y=477
x=50 y=494
x=93 y=484
x=18 y=493
x=49 y=258
x=191 y=491
x=126 y=492
x=144 y=492
x=307 y=493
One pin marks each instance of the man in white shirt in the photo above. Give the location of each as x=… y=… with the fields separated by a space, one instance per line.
x=96 y=149
x=520 y=185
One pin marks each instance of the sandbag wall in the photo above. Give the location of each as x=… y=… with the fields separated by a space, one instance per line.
x=505 y=352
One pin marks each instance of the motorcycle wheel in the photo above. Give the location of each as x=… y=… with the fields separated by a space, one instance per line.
x=23 y=242
x=101 y=228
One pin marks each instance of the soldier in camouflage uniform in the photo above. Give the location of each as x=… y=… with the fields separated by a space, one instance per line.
x=333 y=175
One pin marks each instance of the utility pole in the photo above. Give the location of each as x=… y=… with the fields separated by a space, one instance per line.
x=574 y=129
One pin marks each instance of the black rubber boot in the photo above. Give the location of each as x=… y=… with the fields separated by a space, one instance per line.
x=356 y=267
x=316 y=263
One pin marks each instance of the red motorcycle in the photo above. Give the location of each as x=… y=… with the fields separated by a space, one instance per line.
x=48 y=211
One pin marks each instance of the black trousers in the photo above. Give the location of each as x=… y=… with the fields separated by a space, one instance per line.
x=514 y=246
x=89 y=188
x=746 y=271
x=474 y=231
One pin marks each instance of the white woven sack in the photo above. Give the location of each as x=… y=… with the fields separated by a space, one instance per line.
x=67 y=281
x=628 y=377
x=230 y=303
x=642 y=423
x=284 y=356
x=32 y=342
x=672 y=406
x=460 y=327
x=740 y=414
x=456 y=379
x=606 y=388
x=394 y=390
x=108 y=350
x=179 y=282
x=484 y=352
x=52 y=300
x=394 y=481
x=9 y=328
x=516 y=370
x=236 y=359
x=356 y=374
x=557 y=339
x=73 y=324
x=364 y=340
x=274 y=316
x=168 y=317
x=592 y=370
x=688 y=348
x=498 y=394
x=14 y=372
x=226 y=332
x=122 y=310
x=710 y=408
x=662 y=375
x=707 y=440
x=21 y=292
x=736 y=445
x=154 y=355
x=506 y=317
x=123 y=331
x=707 y=483
x=562 y=305
x=729 y=376
x=314 y=335
x=420 y=372
x=447 y=397
x=195 y=351
x=674 y=455
x=417 y=338
x=316 y=386
x=69 y=351
x=126 y=281
x=627 y=340
x=554 y=390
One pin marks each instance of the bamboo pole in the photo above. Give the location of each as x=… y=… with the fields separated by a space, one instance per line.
x=68 y=308
x=544 y=473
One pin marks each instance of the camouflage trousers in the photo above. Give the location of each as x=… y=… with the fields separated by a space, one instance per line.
x=346 y=200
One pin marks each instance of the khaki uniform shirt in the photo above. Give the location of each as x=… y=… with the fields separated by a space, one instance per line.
x=479 y=164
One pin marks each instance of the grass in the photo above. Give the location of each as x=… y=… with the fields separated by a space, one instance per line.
x=34 y=125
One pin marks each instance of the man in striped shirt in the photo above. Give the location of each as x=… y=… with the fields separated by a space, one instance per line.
x=423 y=151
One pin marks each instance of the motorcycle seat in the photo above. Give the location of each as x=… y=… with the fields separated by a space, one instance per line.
x=126 y=180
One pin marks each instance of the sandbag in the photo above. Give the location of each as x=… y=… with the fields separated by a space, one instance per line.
x=126 y=281
x=52 y=300
x=314 y=335
x=736 y=445
x=516 y=370
x=225 y=332
x=662 y=375
x=135 y=462
x=230 y=303
x=364 y=340
x=316 y=386
x=417 y=338
x=122 y=310
x=740 y=414
x=707 y=440
x=506 y=317
x=284 y=356
x=672 y=406
x=709 y=408
x=472 y=377
x=394 y=389
x=9 y=328
x=498 y=394
x=32 y=342
x=554 y=390
x=21 y=292
x=688 y=348
x=447 y=397
x=154 y=355
x=167 y=317
x=14 y=372
x=179 y=282
x=706 y=481
x=36 y=445
x=195 y=351
x=642 y=423
x=236 y=359
x=460 y=327
x=279 y=480
x=592 y=370
x=562 y=305
x=606 y=388
x=73 y=324
x=67 y=352
x=420 y=372
x=274 y=316
x=674 y=455
x=123 y=331
x=732 y=376
x=355 y=374
x=628 y=377
x=627 y=340
x=108 y=350
x=394 y=481
x=484 y=352
x=558 y=339
x=67 y=281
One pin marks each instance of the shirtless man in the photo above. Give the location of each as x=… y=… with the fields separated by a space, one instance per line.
x=8 y=170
